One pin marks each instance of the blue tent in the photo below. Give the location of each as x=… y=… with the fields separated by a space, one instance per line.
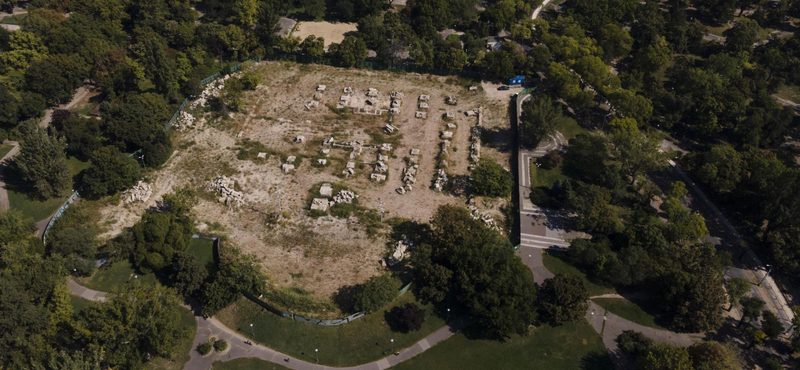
x=519 y=80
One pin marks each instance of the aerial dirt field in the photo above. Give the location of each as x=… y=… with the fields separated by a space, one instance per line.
x=332 y=32
x=318 y=252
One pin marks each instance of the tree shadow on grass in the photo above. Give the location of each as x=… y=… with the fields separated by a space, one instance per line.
x=597 y=361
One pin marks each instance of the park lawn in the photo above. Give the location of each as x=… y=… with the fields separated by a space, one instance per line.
x=184 y=348
x=361 y=341
x=4 y=149
x=34 y=208
x=203 y=249
x=246 y=364
x=79 y=304
x=567 y=347
x=788 y=92
x=119 y=273
x=557 y=265
x=541 y=177
x=13 y=19
x=570 y=128
x=628 y=310
x=42 y=209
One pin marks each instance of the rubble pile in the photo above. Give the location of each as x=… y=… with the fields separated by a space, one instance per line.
x=409 y=177
x=477 y=215
x=475 y=147
x=139 y=193
x=211 y=91
x=401 y=249
x=344 y=196
x=224 y=186
x=440 y=181
x=185 y=121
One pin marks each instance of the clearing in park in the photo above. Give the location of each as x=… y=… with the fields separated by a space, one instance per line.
x=398 y=141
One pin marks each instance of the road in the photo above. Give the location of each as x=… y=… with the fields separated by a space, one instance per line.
x=539 y=228
x=769 y=292
x=538 y=10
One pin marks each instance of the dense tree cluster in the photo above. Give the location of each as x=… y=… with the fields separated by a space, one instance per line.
x=468 y=262
x=703 y=355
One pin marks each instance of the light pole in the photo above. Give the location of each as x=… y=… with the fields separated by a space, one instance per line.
x=448 y=314
x=769 y=267
x=254 y=331
x=316 y=351
x=144 y=165
x=380 y=205
x=393 y=352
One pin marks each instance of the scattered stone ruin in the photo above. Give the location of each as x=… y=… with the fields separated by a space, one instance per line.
x=401 y=250
x=478 y=215
x=441 y=180
x=141 y=192
x=224 y=186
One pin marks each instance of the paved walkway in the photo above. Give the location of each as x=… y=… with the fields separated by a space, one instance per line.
x=4 y=162
x=239 y=349
x=212 y=327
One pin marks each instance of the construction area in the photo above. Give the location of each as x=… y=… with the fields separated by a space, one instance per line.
x=318 y=163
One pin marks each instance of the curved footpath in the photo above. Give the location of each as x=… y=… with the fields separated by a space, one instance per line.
x=212 y=327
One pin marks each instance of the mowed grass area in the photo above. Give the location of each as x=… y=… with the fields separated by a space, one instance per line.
x=203 y=249
x=557 y=264
x=570 y=128
x=541 y=177
x=4 y=149
x=79 y=304
x=32 y=207
x=246 y=364
x=567 y=347
x=184 y=348
x=364 y=340
x=788 y=92
x=628 y=310
x=119 y=273
x=13 y=19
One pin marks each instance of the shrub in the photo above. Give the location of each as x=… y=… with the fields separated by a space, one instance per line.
x=409 y=317
x=550 y=160
x=375 y=293
x=634 y=343
x=204 y=348
x=220 y=345
x=491 y=179
x=342 y=210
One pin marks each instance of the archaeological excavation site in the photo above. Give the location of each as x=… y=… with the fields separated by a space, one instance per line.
x=316 y=165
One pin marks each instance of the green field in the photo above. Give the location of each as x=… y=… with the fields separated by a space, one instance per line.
x=558 y=265
x=4 y=149
x=788 y=92
x=79 y=304
x=183 y=349
x=203 y=249
x=37 y=209
x=246 y=364
x=628 y=310
x=541 y=177
x=364 y=340
x=119 y=273
x=569 y=347
x=570 y=128
x=33 y=208
x=13 y=19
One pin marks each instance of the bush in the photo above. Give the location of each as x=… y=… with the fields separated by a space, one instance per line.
x=204 y=348
x=634 y=343
x=375 y=293
x=220 y=345
x=342 y=210
x=550 y=160
x=491 y=179
x=409 y=317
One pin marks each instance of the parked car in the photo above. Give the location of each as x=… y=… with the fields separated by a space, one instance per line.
x=503 y=88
